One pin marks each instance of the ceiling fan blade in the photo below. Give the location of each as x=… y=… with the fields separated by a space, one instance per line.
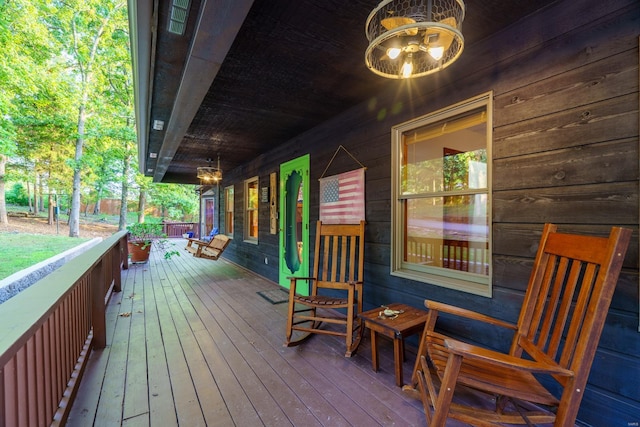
x=443 y=36
x=394 y=22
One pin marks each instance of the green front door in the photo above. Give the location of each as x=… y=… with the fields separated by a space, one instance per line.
x=294 y=219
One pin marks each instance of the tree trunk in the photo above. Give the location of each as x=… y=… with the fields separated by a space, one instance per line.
x=3 y=205
x=125 y=192
x=36 y=207
x=50 y=216
x=53 y=199
x=96 y=207
x=41 y=193
x=74 y=215
x=86 y=72
x=142 y=202
x=29 y=197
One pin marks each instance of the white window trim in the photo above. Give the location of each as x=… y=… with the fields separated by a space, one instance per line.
x=247 y=237
x=226 y=200
x=452 y=279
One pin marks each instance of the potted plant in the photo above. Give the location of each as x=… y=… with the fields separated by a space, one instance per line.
x=141 y=238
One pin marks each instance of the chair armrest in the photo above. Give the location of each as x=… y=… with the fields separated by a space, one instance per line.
x=462 y=312
x=300 y=278
x=197 y=242
x=294 y=283
x=469 y=351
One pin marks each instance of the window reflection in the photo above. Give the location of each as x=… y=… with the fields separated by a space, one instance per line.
x=445 y=190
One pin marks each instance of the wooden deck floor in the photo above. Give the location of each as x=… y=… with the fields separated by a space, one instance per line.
x=191 y=343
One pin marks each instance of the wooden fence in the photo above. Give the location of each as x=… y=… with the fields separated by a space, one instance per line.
x=177 y=229
x=48 y=331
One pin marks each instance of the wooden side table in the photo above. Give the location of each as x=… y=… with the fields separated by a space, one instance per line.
x=409 y=322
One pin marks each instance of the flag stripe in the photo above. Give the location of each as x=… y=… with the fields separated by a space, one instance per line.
x=342 y=198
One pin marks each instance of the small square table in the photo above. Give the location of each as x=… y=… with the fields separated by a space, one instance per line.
x=410 y=321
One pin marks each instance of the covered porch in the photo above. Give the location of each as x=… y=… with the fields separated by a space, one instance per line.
x=191 y=342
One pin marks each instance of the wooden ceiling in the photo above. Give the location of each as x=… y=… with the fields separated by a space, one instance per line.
x=248 y=75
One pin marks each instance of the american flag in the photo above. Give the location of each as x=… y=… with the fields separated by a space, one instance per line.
x=342 y=198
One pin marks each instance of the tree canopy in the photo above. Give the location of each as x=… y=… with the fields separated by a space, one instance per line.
x=67 y=123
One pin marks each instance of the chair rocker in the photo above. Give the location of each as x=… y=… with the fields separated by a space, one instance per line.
x=211 y=249
x=338 y=269
x=562 y=317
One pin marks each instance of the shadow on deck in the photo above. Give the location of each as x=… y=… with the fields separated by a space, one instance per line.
x=191 y=342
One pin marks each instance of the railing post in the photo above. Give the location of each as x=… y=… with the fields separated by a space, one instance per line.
x=116 y=260
x=98 y=309
x=124 y=253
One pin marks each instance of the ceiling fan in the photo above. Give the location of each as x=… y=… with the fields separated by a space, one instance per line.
x=412 y=40
x=433 y=40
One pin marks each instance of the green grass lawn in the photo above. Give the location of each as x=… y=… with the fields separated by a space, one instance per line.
x=20 y=250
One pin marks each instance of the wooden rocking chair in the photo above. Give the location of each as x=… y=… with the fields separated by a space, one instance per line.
x=338 y=267
x=559 y=327
x=211 y=249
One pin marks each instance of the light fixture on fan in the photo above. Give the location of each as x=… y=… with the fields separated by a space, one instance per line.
x=413 y=39
x=209 y=174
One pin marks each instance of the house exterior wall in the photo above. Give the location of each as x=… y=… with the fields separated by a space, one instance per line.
x=565 y=150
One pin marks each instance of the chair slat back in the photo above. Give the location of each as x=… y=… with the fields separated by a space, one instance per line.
x=219 y=241
x=569 y=294
x=339 y=254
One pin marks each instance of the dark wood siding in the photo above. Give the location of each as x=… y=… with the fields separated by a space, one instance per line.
x=565 y=150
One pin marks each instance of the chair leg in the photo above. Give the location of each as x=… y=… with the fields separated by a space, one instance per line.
x=290 y=319
x=354 y=341
x=296 y=334
x=447 y=387
x=422 y=352
x=424 y=387
x=353 y=323
x=349 y=337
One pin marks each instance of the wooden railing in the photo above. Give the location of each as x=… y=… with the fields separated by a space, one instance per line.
x=460 y=255
x=48 y=330
x=177 y=229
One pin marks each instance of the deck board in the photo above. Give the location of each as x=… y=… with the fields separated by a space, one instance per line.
x=136 y=401
x=160 y=395
x=201 y=347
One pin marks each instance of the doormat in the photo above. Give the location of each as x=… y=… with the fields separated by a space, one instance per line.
x=275 y=296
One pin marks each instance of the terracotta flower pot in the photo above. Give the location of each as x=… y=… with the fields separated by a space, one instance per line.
x=139 y=251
